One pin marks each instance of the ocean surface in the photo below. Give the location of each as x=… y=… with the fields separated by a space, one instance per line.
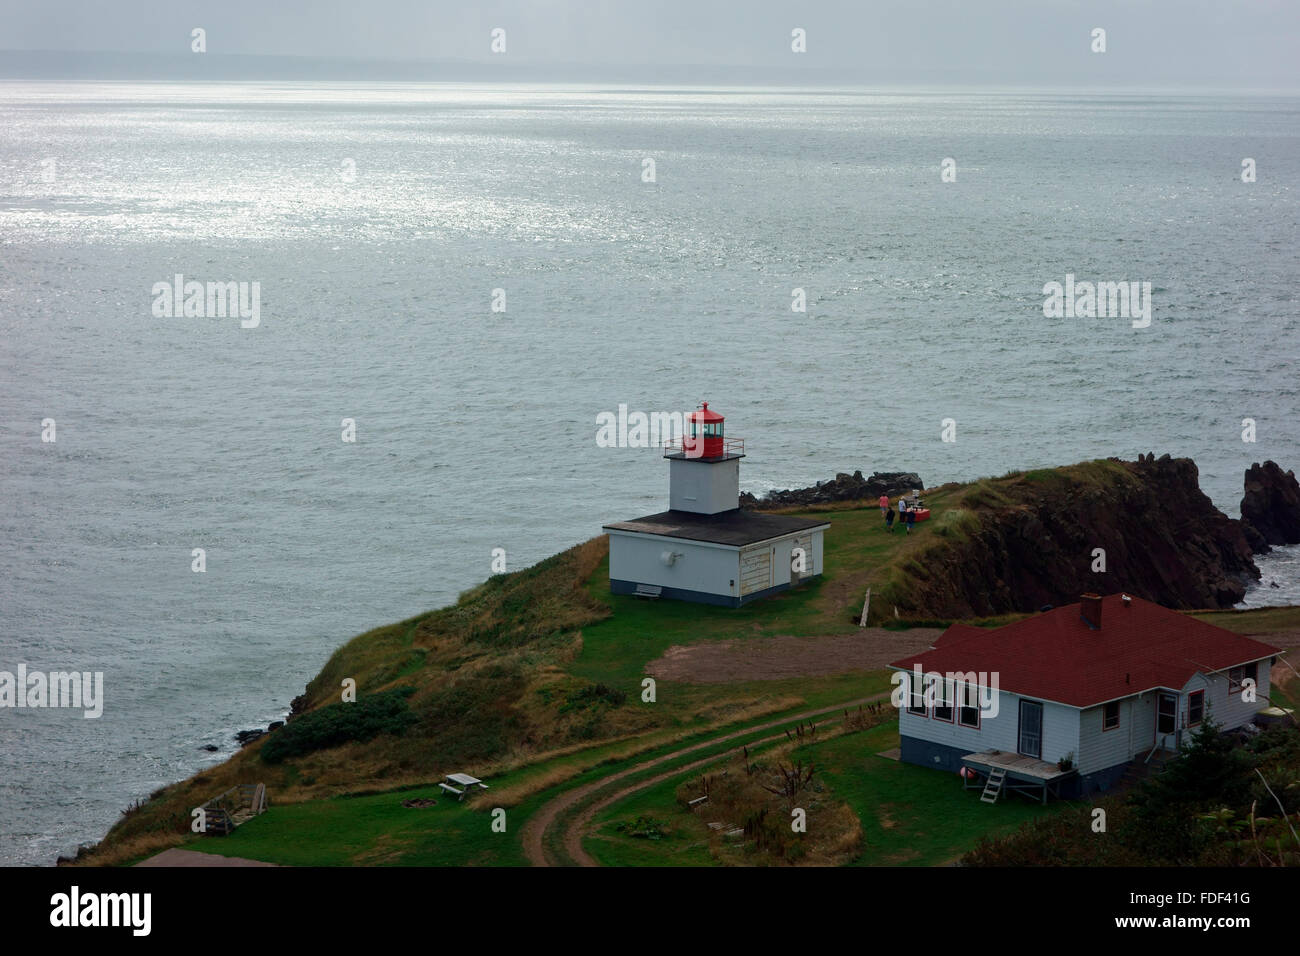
x=377 y=221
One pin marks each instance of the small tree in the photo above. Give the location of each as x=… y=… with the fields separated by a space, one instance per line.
x=791 y=781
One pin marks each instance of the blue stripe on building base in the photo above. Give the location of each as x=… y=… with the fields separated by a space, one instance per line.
x=702 y=597
x=925 y=753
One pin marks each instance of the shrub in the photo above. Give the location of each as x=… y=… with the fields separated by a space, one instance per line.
x=386 y=712
x=593 y=694
x=474 y=719
x=644 y=828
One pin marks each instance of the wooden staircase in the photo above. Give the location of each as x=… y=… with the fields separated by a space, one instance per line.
x=993 y=786
x=237 y=805
x=1139 y=769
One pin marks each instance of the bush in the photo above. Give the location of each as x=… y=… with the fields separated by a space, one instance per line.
x=386 y=712
x=1208 y=808
x=591 y=695
x=474 y=719
x=644 y=828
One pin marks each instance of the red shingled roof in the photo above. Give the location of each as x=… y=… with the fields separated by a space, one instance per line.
x=1056 y=656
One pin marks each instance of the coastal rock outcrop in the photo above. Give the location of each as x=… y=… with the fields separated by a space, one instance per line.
x=1271 y=505
x=843 y=487
x=1045 y=537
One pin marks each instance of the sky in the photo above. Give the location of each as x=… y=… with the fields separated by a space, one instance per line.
x=1149 y=43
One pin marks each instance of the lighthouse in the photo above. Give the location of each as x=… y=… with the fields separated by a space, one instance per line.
x=705 y=548
x=704 y=465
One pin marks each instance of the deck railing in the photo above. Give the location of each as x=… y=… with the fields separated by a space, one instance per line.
x=694 y=447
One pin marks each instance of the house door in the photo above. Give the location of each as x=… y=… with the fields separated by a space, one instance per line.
x=1031 y=728
x=1166 y=718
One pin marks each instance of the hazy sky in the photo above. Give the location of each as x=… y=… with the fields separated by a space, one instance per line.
x=1246 y=43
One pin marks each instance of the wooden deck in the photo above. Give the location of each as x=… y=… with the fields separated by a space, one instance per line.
x=1016 y=765
x=1025 y=775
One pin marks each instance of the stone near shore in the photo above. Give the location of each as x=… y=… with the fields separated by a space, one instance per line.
x=843 y=487
x=1271 y=506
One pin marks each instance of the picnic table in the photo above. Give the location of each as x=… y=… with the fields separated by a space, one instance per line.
x=459 y=784
x=917 y=507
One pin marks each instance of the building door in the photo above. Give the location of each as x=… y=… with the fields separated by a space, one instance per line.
x=755 y=570
x=1166 y=719
x=1031 y=729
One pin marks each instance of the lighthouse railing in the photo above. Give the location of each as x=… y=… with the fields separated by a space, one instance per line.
x=678 y=446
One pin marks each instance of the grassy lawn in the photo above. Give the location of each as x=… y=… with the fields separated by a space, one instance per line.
x=856 y=550
x=616 y=650
x=1264 y=620
x=376 y=830
x=911 y=816
x=373 y=831
x=684 y=843
x=1286 y=695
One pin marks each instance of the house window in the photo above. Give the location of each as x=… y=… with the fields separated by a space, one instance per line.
x=1110 y=715
x=968 y=715
x=916 y=699
x=1237 y=675
x=943 y=701
x=1195 y=708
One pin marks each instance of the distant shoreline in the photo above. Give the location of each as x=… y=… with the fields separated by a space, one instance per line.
x=124 y=66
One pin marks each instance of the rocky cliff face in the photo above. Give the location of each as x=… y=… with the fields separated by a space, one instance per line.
x=844 y=487
x=1270 y=509
x=1032 y=539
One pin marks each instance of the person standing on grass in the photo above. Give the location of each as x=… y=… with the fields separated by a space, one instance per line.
x=889 y=519
x=902 y=510
x=884 y=505
x=911 y=519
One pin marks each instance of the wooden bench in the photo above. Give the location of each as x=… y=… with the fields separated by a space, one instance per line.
x=459 y=794
x=697 y=801
x=651 y=591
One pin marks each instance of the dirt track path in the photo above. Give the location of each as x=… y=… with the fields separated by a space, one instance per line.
x=786 y=655
x=534 y=831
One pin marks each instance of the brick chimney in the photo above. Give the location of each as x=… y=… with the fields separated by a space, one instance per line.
x=1090 y=610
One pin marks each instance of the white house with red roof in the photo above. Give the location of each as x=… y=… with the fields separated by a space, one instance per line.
x=1100 y=683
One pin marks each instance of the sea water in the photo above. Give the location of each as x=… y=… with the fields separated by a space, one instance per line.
x=383 y=223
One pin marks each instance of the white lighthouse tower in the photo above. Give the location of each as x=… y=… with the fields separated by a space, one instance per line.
x=704 y=547
x=704 y=467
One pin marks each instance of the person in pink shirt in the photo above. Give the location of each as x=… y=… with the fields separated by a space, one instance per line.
x=884 y=505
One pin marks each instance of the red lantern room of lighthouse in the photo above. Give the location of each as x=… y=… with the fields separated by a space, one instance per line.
x=704 y=438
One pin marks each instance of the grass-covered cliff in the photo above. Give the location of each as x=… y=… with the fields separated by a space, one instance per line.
x=536 y=676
